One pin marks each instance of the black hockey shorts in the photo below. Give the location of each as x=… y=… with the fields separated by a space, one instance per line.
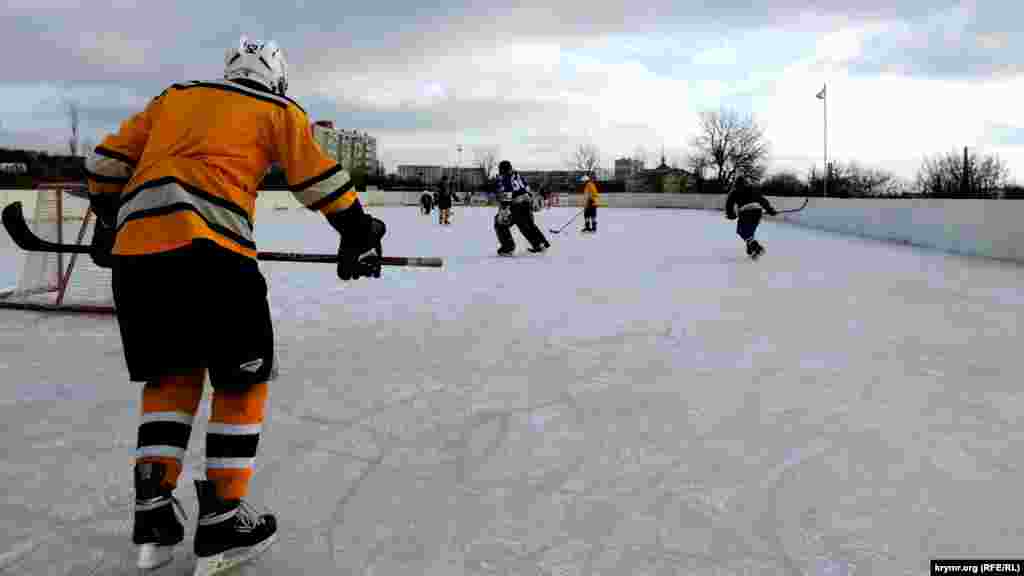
x=746 y=225
x=444 y=203
x=590 y=211
x=195 y=307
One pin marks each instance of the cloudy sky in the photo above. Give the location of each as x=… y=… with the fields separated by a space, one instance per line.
x=905 y=78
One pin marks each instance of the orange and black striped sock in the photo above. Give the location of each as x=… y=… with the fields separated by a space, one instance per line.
x=232 y=436
x=169 y=405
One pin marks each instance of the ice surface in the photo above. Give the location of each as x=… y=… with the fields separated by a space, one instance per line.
x=641 y=401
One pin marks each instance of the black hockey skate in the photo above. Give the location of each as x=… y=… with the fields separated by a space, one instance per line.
x=505 y=251
x=754 y=249
x=157 y=528
x=229 y=533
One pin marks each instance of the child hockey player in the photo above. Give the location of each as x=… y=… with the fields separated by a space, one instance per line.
x=750 y=203
x=426 y=202
x=590 y=200
x=175 y=189
x=516 y=209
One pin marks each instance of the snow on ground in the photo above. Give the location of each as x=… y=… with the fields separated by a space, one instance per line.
x=642 y=401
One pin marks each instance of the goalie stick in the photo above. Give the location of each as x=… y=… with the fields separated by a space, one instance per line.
x=17 y=227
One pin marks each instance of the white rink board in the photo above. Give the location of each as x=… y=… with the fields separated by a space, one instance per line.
x=641 y=401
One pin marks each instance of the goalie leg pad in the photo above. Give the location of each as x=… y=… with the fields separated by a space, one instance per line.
x=504 y=234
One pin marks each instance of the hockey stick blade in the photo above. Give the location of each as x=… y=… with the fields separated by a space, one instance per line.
x=14 y=221
x=17 y=228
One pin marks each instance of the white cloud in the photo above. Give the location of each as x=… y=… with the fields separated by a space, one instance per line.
x=992 y=40
x=721 y=55
x=536 y=78
x=567 y=98
x=889 y=120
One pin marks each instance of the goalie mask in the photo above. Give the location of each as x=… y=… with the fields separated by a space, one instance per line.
x=263 y=63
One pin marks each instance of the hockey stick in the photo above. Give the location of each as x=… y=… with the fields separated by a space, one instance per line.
x=791 y=210
x=802 y=206
x=17 y=227
x=553 y=231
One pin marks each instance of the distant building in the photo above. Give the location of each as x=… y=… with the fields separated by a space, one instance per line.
x=428 y=174
x=663 y=179
x=626 y=168
x=471 y=177
x=552 y=179
x=352 y=149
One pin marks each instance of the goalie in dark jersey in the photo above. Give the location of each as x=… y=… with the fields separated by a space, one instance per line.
x=516 y=209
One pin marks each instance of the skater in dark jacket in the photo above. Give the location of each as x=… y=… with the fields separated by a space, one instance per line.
x=746 y=204
x=426 y=202
x=445 y=195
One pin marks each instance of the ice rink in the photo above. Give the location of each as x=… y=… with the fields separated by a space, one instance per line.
x=642 y=401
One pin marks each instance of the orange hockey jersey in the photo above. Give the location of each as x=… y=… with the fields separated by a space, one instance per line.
x=189 y=165
x=591 y=196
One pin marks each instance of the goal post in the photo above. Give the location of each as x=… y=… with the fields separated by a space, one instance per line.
x=49 y=281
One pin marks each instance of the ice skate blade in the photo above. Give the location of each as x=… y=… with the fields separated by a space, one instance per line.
x=218 y=563
x=153 y=556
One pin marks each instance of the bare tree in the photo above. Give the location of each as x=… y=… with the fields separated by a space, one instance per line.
x=486 y=159
x=640 y=156
x=587 y=158
x=732 y=146
x=784 y=183
x=698 y=164
x=951 y=175
x=853 y=180
x=72 y=109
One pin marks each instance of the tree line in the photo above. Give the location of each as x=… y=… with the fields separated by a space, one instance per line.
x=730 y=147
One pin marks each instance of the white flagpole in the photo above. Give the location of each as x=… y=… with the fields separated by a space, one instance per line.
x=824 y=108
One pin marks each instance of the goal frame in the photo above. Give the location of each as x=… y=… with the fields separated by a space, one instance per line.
x=58 y=285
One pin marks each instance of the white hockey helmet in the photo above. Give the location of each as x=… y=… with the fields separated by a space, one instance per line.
x=258 y=61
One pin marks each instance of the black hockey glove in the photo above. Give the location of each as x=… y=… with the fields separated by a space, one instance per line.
x=360 y=249
x=102 y=247
x=771 y=211
x=104 y=233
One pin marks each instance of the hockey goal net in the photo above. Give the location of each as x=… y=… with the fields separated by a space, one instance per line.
x=49 y=281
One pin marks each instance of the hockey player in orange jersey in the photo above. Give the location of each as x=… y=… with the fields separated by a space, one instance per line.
x=175 y=191
x=591 y=197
